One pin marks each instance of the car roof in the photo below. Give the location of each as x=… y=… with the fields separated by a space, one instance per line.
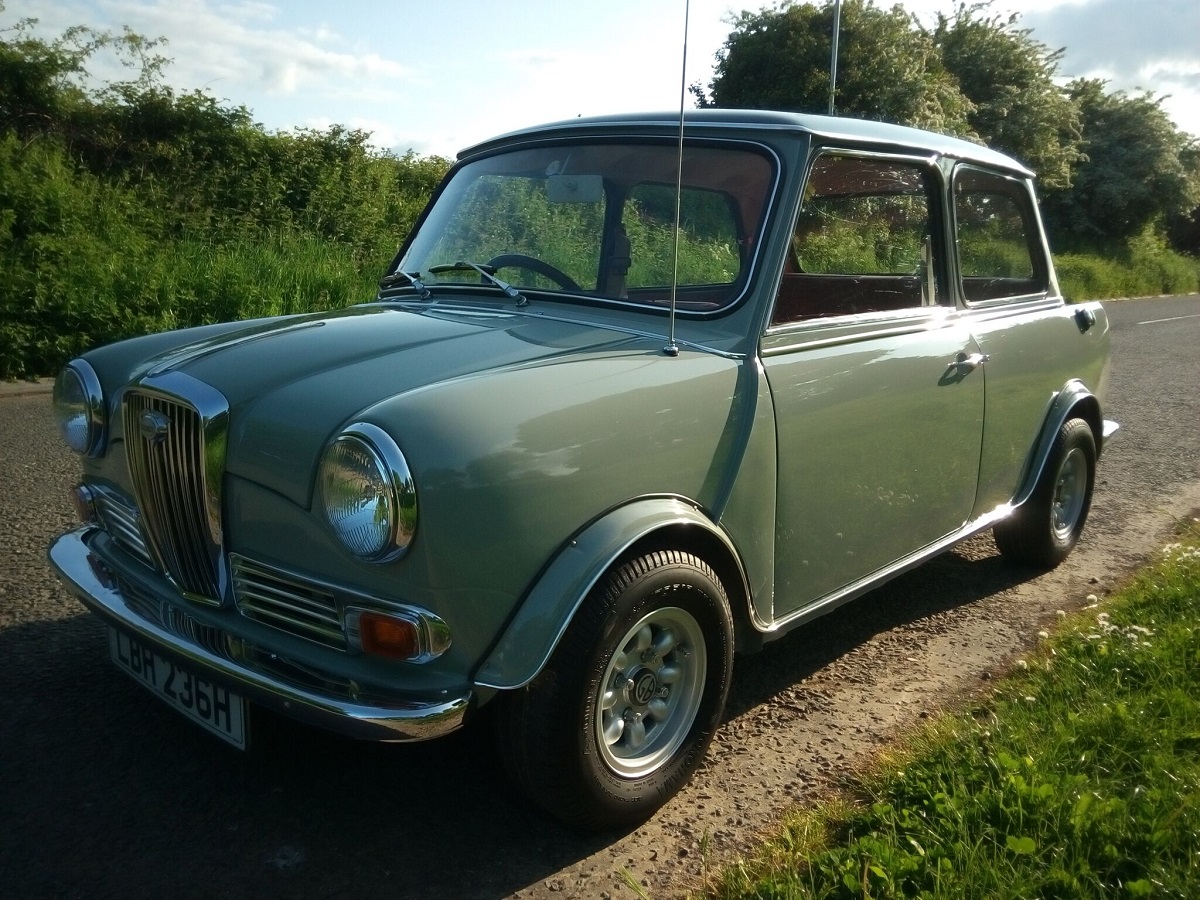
x=827 y=128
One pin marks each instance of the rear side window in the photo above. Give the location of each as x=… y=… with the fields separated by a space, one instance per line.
x=999 y=248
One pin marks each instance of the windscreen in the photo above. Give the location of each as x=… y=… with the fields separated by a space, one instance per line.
x=597 y=219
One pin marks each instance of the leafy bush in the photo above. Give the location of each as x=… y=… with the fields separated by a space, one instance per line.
x=86 y=263
x=1146 y=267
x=131 y=208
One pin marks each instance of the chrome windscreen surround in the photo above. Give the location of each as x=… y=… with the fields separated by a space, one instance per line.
x=176 y=430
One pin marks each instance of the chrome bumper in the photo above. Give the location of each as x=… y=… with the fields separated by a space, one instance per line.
x=250 y=675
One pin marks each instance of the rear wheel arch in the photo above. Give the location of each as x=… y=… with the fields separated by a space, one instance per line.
x=1044 y=530
x=1075 y=401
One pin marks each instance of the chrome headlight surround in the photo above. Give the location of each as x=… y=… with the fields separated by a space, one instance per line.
x=79 y=408
x=366 y=493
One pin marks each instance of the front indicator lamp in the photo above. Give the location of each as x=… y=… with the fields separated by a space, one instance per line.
x=83 y=500
x=409 y=635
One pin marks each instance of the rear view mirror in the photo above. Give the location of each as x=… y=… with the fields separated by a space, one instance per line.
x=575 y=188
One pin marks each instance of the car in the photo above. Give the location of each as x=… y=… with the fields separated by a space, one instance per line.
x=637 y=393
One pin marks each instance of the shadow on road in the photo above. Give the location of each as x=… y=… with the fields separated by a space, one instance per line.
x=959 y=577
x=145 y=804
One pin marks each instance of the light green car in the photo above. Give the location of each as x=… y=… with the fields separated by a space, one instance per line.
x=575 y=454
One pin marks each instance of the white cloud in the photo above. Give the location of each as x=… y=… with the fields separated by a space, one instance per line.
x=439 y=76
x=234 y=49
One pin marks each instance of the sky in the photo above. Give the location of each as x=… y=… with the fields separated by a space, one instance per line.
x=434 y=76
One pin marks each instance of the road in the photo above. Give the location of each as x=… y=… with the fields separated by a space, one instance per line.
x=106 y=793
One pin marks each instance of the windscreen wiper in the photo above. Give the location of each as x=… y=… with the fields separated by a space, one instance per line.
x=411 y=278
x=486 y=272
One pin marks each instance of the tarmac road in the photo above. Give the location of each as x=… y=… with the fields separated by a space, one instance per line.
x=104 y=792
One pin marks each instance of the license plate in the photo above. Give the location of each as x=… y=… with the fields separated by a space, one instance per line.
x=216 y=708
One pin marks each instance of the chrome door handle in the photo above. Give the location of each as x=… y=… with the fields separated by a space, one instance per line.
x=968 y=362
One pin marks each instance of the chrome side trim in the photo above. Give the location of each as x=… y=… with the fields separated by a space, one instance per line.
x=290 y=689
x=853 y=591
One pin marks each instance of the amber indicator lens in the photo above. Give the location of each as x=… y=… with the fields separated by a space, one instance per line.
x=385 y=636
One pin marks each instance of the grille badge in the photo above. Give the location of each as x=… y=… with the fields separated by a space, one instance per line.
x=153 y=426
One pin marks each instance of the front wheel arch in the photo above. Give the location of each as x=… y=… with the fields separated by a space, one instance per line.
x=644 y=525
x=622 y=714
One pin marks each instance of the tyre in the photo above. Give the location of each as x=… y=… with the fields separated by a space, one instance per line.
x=621 y=715
x=1044 y=529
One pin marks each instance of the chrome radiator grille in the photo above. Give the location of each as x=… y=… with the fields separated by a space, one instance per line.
x=287 y=602
x=175 y=469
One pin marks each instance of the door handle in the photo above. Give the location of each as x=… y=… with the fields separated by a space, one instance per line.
x=968 y=362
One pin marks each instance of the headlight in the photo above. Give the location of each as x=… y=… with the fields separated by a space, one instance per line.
x=79 y=408
x=366 y=493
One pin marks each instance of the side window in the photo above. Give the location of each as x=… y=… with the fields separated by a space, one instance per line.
x=999 y=253
x=863 y=240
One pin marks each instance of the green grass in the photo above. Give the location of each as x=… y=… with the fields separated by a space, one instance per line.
x=1079 y=776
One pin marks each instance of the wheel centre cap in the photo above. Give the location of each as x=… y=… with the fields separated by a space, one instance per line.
x=643 y=687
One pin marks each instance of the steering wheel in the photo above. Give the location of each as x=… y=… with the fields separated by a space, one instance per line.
x=533 y=264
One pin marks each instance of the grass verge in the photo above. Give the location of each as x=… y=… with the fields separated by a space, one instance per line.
x=1079 y=776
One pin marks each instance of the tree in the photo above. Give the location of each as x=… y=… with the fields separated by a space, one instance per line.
x=1140 y=170
x=889 y=68
x=44 y=83
x=1009 y=79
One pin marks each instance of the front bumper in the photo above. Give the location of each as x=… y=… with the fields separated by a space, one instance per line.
x=256 y=674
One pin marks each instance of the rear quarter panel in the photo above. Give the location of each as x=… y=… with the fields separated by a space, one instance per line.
x=1033 y=351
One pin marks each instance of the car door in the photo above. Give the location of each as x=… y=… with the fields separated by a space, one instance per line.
x=874 y=378
x=1034 y=343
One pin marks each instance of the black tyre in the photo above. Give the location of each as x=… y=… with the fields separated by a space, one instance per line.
x=1045 y=529
x=621 y=715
